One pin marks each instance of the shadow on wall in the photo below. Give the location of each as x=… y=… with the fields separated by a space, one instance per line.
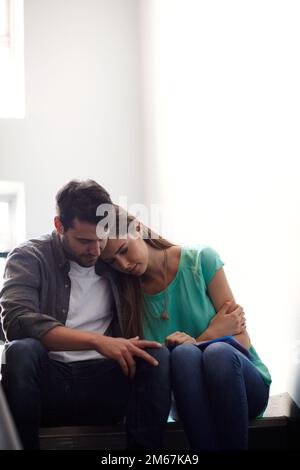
x=296 y=394
x=296 y=366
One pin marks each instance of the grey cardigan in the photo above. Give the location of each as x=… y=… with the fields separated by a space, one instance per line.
x=36 y=290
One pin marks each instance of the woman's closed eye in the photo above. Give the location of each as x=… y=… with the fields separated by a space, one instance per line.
x=112 y=260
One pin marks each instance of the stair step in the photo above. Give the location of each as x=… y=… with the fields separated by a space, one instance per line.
x=272 y=431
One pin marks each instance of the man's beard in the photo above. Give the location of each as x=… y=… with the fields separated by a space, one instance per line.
x=86 y=261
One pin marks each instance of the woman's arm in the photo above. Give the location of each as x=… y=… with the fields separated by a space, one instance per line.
x=219 y=292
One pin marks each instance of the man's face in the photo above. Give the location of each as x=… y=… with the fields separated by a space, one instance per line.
x=81 y=243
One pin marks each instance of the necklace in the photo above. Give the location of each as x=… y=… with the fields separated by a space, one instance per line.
x=164 y=314
x=161 y=319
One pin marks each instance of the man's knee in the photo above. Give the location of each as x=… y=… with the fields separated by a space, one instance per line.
x=162 y=355
x=23 y=353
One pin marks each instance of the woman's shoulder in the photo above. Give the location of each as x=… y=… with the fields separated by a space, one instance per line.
x=199 y=256
x=197 y=250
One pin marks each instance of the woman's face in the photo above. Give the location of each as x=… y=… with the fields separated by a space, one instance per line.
x=128 y=255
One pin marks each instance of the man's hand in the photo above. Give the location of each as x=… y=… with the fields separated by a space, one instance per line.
x=123 y=351
x=179 y=338
x=225 y=323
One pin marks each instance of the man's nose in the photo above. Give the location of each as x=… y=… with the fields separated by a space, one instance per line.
x=95 y=249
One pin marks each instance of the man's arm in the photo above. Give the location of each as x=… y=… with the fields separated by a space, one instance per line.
x=19 y=300
x=122 y=350
x=19 y=297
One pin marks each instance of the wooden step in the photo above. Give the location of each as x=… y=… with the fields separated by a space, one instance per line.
x=277 y=429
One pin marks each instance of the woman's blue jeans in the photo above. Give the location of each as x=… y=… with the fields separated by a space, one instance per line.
x=216 y=391
x=43 y=392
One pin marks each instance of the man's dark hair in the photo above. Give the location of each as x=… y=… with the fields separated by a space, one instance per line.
x=80 y=199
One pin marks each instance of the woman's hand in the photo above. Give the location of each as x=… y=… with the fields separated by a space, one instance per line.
x=179 y=338
x=225 y=323
x=230 y=317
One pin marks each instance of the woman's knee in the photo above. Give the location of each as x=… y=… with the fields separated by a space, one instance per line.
x=219 y=356
x=185 y=355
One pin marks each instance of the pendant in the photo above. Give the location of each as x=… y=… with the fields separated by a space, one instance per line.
x=165 y=315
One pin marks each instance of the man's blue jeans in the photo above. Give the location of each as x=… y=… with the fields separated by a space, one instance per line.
x=216 y=391
x=43 y=392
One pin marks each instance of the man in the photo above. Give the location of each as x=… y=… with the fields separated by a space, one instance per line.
x=66 y=362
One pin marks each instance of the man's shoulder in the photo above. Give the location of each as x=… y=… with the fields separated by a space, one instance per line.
x=40 y=247
x=30 y=258
x=38 y=242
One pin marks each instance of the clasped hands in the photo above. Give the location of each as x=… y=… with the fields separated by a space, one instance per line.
x=222 y=324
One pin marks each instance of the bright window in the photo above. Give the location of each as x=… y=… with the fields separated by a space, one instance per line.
x=4 y=23
x=12 y=217
x=2 y=266
x=12 y=81
x=5 y=235
x=5 y=227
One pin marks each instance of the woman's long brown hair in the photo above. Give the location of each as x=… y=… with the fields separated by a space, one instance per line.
x=129 y=286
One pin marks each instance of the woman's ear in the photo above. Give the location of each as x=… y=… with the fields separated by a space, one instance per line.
x=58 y=225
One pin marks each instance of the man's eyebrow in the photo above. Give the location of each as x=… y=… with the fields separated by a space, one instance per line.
x=84 y=239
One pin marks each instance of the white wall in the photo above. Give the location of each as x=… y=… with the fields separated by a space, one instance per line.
x=221 y=89
x=82 y=104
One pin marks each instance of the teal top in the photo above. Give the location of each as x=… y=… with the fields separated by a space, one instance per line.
x=189 y=306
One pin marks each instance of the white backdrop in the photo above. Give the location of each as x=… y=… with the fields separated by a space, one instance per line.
x=222 y=100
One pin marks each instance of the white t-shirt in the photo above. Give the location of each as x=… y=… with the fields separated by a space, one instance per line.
x=90 y=309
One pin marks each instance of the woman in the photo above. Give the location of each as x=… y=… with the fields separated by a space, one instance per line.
x=180 y=296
